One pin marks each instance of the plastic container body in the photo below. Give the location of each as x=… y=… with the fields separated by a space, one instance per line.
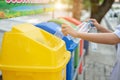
x=27 y=54
x=24 y=75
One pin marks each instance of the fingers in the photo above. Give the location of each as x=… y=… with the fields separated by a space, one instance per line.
x=64 y=31
x=65 y=34
x=94 y=20
x=65 y=27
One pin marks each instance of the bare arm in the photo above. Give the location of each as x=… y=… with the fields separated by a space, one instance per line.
x=104 y=38
x=103 y=30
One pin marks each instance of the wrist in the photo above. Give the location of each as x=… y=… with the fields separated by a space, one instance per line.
x=99 y=27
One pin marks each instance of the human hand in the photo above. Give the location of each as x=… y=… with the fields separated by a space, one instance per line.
x=95 y=23
x=68 y=30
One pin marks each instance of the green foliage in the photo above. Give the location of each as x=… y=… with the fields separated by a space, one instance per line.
x=67 y=1
x=101 y=1
x=86 y=4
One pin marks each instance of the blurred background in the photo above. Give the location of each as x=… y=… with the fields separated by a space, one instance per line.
x=98 y=63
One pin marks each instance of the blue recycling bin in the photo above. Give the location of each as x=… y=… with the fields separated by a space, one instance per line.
x=55 y=29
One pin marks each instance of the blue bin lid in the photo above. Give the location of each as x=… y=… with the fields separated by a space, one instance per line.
x=52 y=28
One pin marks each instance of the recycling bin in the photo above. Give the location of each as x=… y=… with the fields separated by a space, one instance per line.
x=55 y=29
x=82 y=42
x=30 y=53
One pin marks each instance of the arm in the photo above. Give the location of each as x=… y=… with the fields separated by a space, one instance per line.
x=103 y=30
x=104 y=38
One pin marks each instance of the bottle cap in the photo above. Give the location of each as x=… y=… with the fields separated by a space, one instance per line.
x=91 y=23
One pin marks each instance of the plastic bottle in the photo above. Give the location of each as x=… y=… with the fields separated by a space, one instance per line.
x=93 y=45
x=83 y=27
x=58 y=34
x=89 y=27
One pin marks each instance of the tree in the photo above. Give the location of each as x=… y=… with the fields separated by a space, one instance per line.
x=76 y=11
x=98 y=10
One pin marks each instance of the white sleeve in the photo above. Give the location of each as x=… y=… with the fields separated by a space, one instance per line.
x=117 y=31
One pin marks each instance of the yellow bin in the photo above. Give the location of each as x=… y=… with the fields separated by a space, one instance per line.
x=29 y=53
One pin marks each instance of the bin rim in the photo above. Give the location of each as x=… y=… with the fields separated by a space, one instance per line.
x=37 y=68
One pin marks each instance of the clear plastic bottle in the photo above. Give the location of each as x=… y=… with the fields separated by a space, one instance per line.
x=59 y=34
x=83 y=27
x=93 y=45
